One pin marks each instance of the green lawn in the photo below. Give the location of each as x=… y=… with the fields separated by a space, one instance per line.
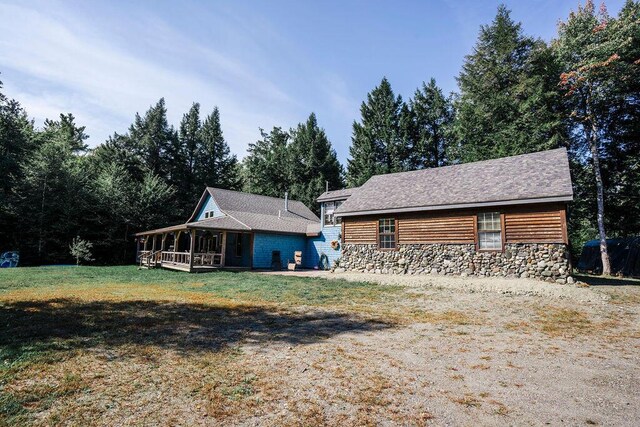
x=242 y=286
x=61 y=325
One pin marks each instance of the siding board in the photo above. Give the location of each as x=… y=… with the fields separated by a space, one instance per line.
x=521 y=224
x=542 y=226
x=436 y=228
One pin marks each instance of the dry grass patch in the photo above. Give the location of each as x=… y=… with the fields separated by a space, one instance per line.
x=555 y=321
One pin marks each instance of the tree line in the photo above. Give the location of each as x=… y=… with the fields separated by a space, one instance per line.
x=517 y=94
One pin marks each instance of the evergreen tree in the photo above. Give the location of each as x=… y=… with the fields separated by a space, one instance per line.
x=378 y=144
x=267 y=165
x=216 y=166
x=314 y=163
x=433 y=117
x=153 y=139
x=185 y=159
x=53 y=193
x=17 y=142
x=508 y=95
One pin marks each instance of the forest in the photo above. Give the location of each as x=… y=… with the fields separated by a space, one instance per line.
x=516 y=94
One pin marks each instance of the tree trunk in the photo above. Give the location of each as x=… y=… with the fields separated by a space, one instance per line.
x=593 y=145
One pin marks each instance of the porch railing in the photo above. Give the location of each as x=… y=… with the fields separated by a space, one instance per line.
x=149 y=259
x=175 y=257
x=207 y=259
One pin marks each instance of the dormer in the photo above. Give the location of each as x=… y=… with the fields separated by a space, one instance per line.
x=329 y=202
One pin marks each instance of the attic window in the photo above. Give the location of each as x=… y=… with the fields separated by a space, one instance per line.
x=329 y=217
x=208 y=214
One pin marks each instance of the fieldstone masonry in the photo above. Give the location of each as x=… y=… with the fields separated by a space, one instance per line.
x=549 y=262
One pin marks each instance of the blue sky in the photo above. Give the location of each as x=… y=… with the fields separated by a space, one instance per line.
x=264 y=64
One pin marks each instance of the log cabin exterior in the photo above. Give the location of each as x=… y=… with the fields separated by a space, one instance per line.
x=502 y=217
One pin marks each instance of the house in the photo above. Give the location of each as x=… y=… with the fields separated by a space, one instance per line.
x=232 y=229
x=502 y=217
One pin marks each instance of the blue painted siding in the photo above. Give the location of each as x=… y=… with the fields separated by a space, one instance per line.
x=209 y=205
x=264 y=244
x=321 y=245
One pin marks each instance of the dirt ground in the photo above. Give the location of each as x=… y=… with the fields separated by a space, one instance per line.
x=509 y=353
x=438 y=351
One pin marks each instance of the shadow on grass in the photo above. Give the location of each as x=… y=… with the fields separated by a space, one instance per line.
x=593 y=280
x=66 y=324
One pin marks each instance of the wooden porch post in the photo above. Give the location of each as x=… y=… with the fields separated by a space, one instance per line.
x=191 y=247
x=146 y=240
x=164 y=238
x=224 y=247
x=153 y=248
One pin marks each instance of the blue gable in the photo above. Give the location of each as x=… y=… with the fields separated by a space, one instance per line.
x=209 y=206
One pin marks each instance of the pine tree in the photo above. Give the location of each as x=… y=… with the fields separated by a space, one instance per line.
x=378 y=144
x=17 y=142
x=190 y=142
x=53 y=193
x=507 y=95
x=314 y=163
x=216 y=166
x=267 y=165
x=433 y=117
x=153 y=139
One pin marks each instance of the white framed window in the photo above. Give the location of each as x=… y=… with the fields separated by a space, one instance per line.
x=489 y=231
x=387 y=233
x=329 y=217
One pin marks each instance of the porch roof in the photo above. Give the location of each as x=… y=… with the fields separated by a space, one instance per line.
x=219 y=223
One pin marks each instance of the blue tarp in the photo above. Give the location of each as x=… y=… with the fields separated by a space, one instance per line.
x=624 y=256
x=9 y=259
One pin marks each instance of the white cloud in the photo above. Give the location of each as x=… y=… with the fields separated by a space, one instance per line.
x=53 y=62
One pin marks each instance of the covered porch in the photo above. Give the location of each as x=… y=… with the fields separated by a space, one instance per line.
x=192 y=248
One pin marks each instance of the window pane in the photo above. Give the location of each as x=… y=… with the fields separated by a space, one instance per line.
x=387 y=225
x=490 y=240
x=387 y=241
x=489 y=221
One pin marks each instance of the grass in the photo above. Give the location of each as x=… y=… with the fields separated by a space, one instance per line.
x=62 y=327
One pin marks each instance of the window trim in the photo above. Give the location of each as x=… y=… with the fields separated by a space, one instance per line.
x=335 y=221
x=395 y=234
x=476 y=232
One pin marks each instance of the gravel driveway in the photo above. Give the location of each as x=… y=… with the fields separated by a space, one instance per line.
x=489 y=352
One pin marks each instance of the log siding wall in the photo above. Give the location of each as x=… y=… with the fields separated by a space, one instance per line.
x=453 y=228
x=360 y=230
x=545 y=223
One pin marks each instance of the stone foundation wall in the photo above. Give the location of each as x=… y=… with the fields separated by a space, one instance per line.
x=549 y=262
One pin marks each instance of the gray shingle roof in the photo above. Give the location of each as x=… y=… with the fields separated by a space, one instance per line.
x=263 y=213
x=336 y=195
x=249 y=212
x=527 y=178
x=238 y=201
x=220 y=223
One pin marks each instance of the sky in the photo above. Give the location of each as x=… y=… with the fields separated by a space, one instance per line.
x=263 y=63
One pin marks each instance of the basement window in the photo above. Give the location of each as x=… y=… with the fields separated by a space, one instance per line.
x=489 y=231
x=387 y=233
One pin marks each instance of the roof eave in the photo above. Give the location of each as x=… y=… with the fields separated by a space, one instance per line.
x=566 y=198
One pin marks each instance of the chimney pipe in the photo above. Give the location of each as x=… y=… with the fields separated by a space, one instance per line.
x=286 y=201
x=326 y=186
